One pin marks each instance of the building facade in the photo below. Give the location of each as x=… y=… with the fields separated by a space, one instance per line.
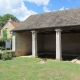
x=53 y=33
x=10 y=25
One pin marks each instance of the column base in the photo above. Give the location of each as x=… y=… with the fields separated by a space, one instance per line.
x=34 y=56
x=58 y=59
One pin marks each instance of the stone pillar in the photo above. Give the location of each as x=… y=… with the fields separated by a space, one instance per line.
x=13 y=41
x=58 y=45
x=34 y=43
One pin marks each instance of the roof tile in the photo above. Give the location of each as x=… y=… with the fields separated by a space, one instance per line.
x=51 y=19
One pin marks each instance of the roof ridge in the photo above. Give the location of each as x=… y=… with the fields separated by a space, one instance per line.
x=57 y=11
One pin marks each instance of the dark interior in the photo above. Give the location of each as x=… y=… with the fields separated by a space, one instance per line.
x=70 y=44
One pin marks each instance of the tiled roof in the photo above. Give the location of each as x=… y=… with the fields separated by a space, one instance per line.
x=15 y=24
x=65 y=18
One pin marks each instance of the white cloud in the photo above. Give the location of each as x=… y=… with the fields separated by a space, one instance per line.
x=18 y=8
x=15 y=7
x=54 y=10
x=45 y=9
x=67 y=8
x=39 y=2
x=61 y=8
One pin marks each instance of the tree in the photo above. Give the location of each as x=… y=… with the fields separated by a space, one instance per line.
x=4 y=33
x=6 y=17
x=1 y=21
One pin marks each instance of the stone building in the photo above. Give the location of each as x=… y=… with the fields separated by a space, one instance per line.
x=10 y=25
x=53 y=32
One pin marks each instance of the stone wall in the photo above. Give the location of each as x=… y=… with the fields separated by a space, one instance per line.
x=40 y=42
x=71 y=43
x=47 y=43
x=9 y=27
x=23 y=43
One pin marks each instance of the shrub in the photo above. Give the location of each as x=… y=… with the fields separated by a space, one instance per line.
x=6 y=56
x=10 y=56
x=2 y=42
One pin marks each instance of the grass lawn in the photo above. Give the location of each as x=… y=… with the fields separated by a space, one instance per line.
x=30 y=69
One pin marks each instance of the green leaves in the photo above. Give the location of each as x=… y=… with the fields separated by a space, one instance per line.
x=4 y=32
x=6 y=56
x=6 y=17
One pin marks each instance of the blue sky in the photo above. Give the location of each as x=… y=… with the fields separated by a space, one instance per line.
x=22 y=9
x=54 y=5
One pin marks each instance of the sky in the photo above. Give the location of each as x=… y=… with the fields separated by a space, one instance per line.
x=22 y=9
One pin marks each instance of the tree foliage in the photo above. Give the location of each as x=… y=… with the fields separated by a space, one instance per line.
x=4 y=32
x=6 y=17
x=1 y=21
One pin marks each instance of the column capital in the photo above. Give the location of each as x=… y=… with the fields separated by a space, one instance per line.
x=13 y=33
x=33 y=31
x=58 y=30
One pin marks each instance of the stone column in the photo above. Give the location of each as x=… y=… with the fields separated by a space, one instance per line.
x=13 y=41
x=34 y=43
x=58 y=45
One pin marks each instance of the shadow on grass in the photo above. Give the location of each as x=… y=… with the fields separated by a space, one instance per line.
x=52 y=56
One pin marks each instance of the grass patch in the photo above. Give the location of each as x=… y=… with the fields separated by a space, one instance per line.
x=31 y=69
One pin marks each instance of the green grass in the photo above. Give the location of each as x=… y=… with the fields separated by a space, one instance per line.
x=31 y=69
